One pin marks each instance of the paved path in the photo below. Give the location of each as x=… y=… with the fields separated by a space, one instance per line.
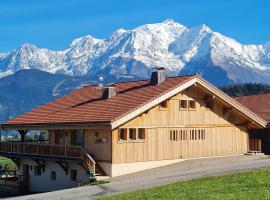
x=185 y=170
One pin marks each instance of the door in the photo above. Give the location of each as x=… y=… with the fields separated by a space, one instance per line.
x=77 y=138
x=25 y=170
x=60 y=137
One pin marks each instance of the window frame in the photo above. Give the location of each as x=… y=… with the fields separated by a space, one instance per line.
x=185 y=103
x=189 y=104
x=120 y=139
x=134 y=134
x=143 y=134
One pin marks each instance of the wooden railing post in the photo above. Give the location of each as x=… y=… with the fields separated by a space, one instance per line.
x=50 y=149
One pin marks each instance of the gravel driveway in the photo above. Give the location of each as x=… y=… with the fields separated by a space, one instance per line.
x=184 y=170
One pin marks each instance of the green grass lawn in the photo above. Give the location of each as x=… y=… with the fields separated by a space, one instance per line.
x=248 y=185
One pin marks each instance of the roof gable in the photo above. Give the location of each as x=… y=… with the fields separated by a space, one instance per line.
x=193 y=81
x=86 y=104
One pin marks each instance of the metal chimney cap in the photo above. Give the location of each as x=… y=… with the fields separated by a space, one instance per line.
x=112 y=85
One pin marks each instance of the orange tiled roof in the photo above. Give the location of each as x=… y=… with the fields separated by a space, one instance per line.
x=259 y=104
x=86 y=104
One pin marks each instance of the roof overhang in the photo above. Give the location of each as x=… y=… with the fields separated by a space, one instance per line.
x=196 y=80
x=261 y=123
x=53 y=126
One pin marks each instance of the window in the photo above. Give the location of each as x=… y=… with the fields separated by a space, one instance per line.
x=183 y=104
x=175 y=135
x=77 y=137
x=73 y=175
x=53 y=175
x=141 y=134
x=163 y=105
x=192 y=104
x=37 y=170
x=197 y=134
x=178 y=135
x=132 y=134
x=122 y=134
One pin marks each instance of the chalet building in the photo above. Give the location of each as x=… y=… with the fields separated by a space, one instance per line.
x=129 y=127
x=259 y=104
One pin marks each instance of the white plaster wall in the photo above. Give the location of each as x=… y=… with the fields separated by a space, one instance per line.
x=107 y=168
x=44 y=183
x=128 y=168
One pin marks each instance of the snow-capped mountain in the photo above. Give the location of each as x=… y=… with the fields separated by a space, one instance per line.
x=128 y=53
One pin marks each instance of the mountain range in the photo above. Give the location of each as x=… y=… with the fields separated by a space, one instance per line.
x=126 y=55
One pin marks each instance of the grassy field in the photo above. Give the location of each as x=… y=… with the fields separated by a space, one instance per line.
x=247 y=185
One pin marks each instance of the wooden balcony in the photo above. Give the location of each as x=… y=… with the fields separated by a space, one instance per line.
x=41 y=150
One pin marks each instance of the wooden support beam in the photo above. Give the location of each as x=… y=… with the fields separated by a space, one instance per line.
x=226 y=110
x=41 y=164
x=63 y=165
x=209 y=101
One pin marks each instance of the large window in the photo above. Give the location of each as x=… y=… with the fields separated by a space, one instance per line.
x=182 y=134
x=131 y=134
x=187 y=104
x=197 y=134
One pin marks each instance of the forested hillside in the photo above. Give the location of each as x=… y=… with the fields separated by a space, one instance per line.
x=245 y=89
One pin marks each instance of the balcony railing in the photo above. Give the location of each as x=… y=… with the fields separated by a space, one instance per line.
x=38 y=149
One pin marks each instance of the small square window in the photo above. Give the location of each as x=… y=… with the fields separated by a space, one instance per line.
x=164 y=104
x=183 y=104
x=53 y=175
x=132 y=134
x=122 y=134
x=73 y=175
x=141 y=133
x=192 y=104
x=37 y=171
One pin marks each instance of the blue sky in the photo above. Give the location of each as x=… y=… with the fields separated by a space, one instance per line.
x=55 y=23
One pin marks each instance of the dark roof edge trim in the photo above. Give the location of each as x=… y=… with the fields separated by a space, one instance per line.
x=40 y=126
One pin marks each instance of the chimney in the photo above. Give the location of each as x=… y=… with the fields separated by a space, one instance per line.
x=158 y=76
x=109 y=91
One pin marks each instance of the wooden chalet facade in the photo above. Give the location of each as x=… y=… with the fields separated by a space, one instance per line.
x=128 y=127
